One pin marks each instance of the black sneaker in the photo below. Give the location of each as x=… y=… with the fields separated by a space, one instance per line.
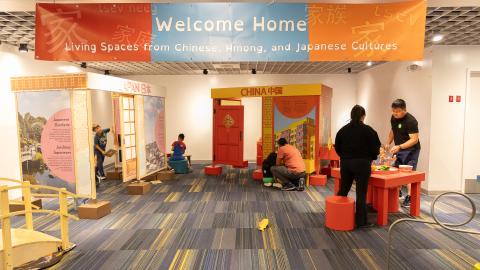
x=406 y=202
x=301 y=184
x=289 y=187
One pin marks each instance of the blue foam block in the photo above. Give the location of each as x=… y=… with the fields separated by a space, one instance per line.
x=180 y=166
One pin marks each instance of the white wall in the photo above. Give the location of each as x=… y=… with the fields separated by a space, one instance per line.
x=379 y=86
x=189 y=106
x=441 y=123
x=449 y=77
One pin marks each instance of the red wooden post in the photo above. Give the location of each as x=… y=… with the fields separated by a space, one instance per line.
x=415 y=196
x=382 y=213
x=393 y=200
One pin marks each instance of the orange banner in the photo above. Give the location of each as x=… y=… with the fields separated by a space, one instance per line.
x=367 y=32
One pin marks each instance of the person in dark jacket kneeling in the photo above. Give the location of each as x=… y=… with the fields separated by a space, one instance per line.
x=357 y=145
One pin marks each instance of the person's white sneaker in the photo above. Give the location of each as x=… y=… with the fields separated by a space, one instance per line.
x=101 y=177
x=277 y=185
x=268 y=184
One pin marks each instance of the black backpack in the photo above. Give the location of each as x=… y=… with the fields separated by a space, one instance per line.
x=267 y=163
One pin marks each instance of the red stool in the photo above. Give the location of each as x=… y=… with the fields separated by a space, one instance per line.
x=318 y=180
x=340 y=213
x=213 y=170
x=258 y=175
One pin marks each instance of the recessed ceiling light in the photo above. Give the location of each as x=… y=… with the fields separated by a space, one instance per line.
x=437 y=38
x=369 y=63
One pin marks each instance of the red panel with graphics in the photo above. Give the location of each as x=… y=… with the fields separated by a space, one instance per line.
x=228 y=135
x=64 y=32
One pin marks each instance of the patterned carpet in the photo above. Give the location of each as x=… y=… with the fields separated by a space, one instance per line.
x=200 y=222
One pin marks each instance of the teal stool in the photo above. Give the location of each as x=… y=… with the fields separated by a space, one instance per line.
x=180 y=166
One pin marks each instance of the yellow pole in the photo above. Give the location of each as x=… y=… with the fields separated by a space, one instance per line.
x=27 y=198
x=6 y=229
x=62 y=199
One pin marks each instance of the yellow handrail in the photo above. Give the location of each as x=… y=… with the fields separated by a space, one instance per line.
x=5 y=214
x=43 y=211
x=70 y=194
x=10 y=180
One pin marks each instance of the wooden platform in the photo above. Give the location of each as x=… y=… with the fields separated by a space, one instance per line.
x=30 y=245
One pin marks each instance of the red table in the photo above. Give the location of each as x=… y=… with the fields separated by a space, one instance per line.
x=383 y=192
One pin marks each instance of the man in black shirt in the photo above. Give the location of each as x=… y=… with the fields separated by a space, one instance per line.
x=404 y=134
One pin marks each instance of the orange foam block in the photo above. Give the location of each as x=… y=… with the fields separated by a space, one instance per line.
x=257 y=175
x=213 y=170
x=318 y=180
x=340 y=213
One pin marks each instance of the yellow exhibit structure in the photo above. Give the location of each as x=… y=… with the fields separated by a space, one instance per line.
x=20 y=246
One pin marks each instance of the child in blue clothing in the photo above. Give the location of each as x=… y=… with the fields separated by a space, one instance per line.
x=178 y=148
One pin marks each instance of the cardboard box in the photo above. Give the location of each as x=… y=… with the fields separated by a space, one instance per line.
x=94 y=209
x=14 y=207
x=114 y=175
x=110 y=153
x=166 y=175
x=139 y=188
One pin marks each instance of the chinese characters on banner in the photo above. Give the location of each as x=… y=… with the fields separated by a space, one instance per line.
x=230 y=32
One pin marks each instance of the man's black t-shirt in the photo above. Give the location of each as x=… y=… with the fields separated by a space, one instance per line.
x=403 y=127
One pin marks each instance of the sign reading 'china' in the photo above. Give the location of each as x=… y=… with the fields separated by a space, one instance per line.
x=230 y=32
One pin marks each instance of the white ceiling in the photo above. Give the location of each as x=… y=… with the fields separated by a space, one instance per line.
x=460 y=25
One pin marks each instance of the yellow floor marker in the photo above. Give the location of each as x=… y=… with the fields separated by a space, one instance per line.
x=263 y=224
x=477 y=266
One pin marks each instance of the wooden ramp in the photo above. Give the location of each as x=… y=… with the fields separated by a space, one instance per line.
x=29 y=245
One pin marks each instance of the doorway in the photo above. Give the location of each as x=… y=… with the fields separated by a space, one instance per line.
x=124 y=115
x=471 y=167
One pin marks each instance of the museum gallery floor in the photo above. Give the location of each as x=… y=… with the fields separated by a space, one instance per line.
x=199 y=222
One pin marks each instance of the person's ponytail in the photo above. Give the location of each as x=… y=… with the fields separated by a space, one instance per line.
x=356 y=115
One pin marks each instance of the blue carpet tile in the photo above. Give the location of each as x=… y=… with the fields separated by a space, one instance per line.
x=206 y=222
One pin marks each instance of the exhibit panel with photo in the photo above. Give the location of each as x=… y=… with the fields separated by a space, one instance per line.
x=295 y=120
x=152 y=154
x=46 y=139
